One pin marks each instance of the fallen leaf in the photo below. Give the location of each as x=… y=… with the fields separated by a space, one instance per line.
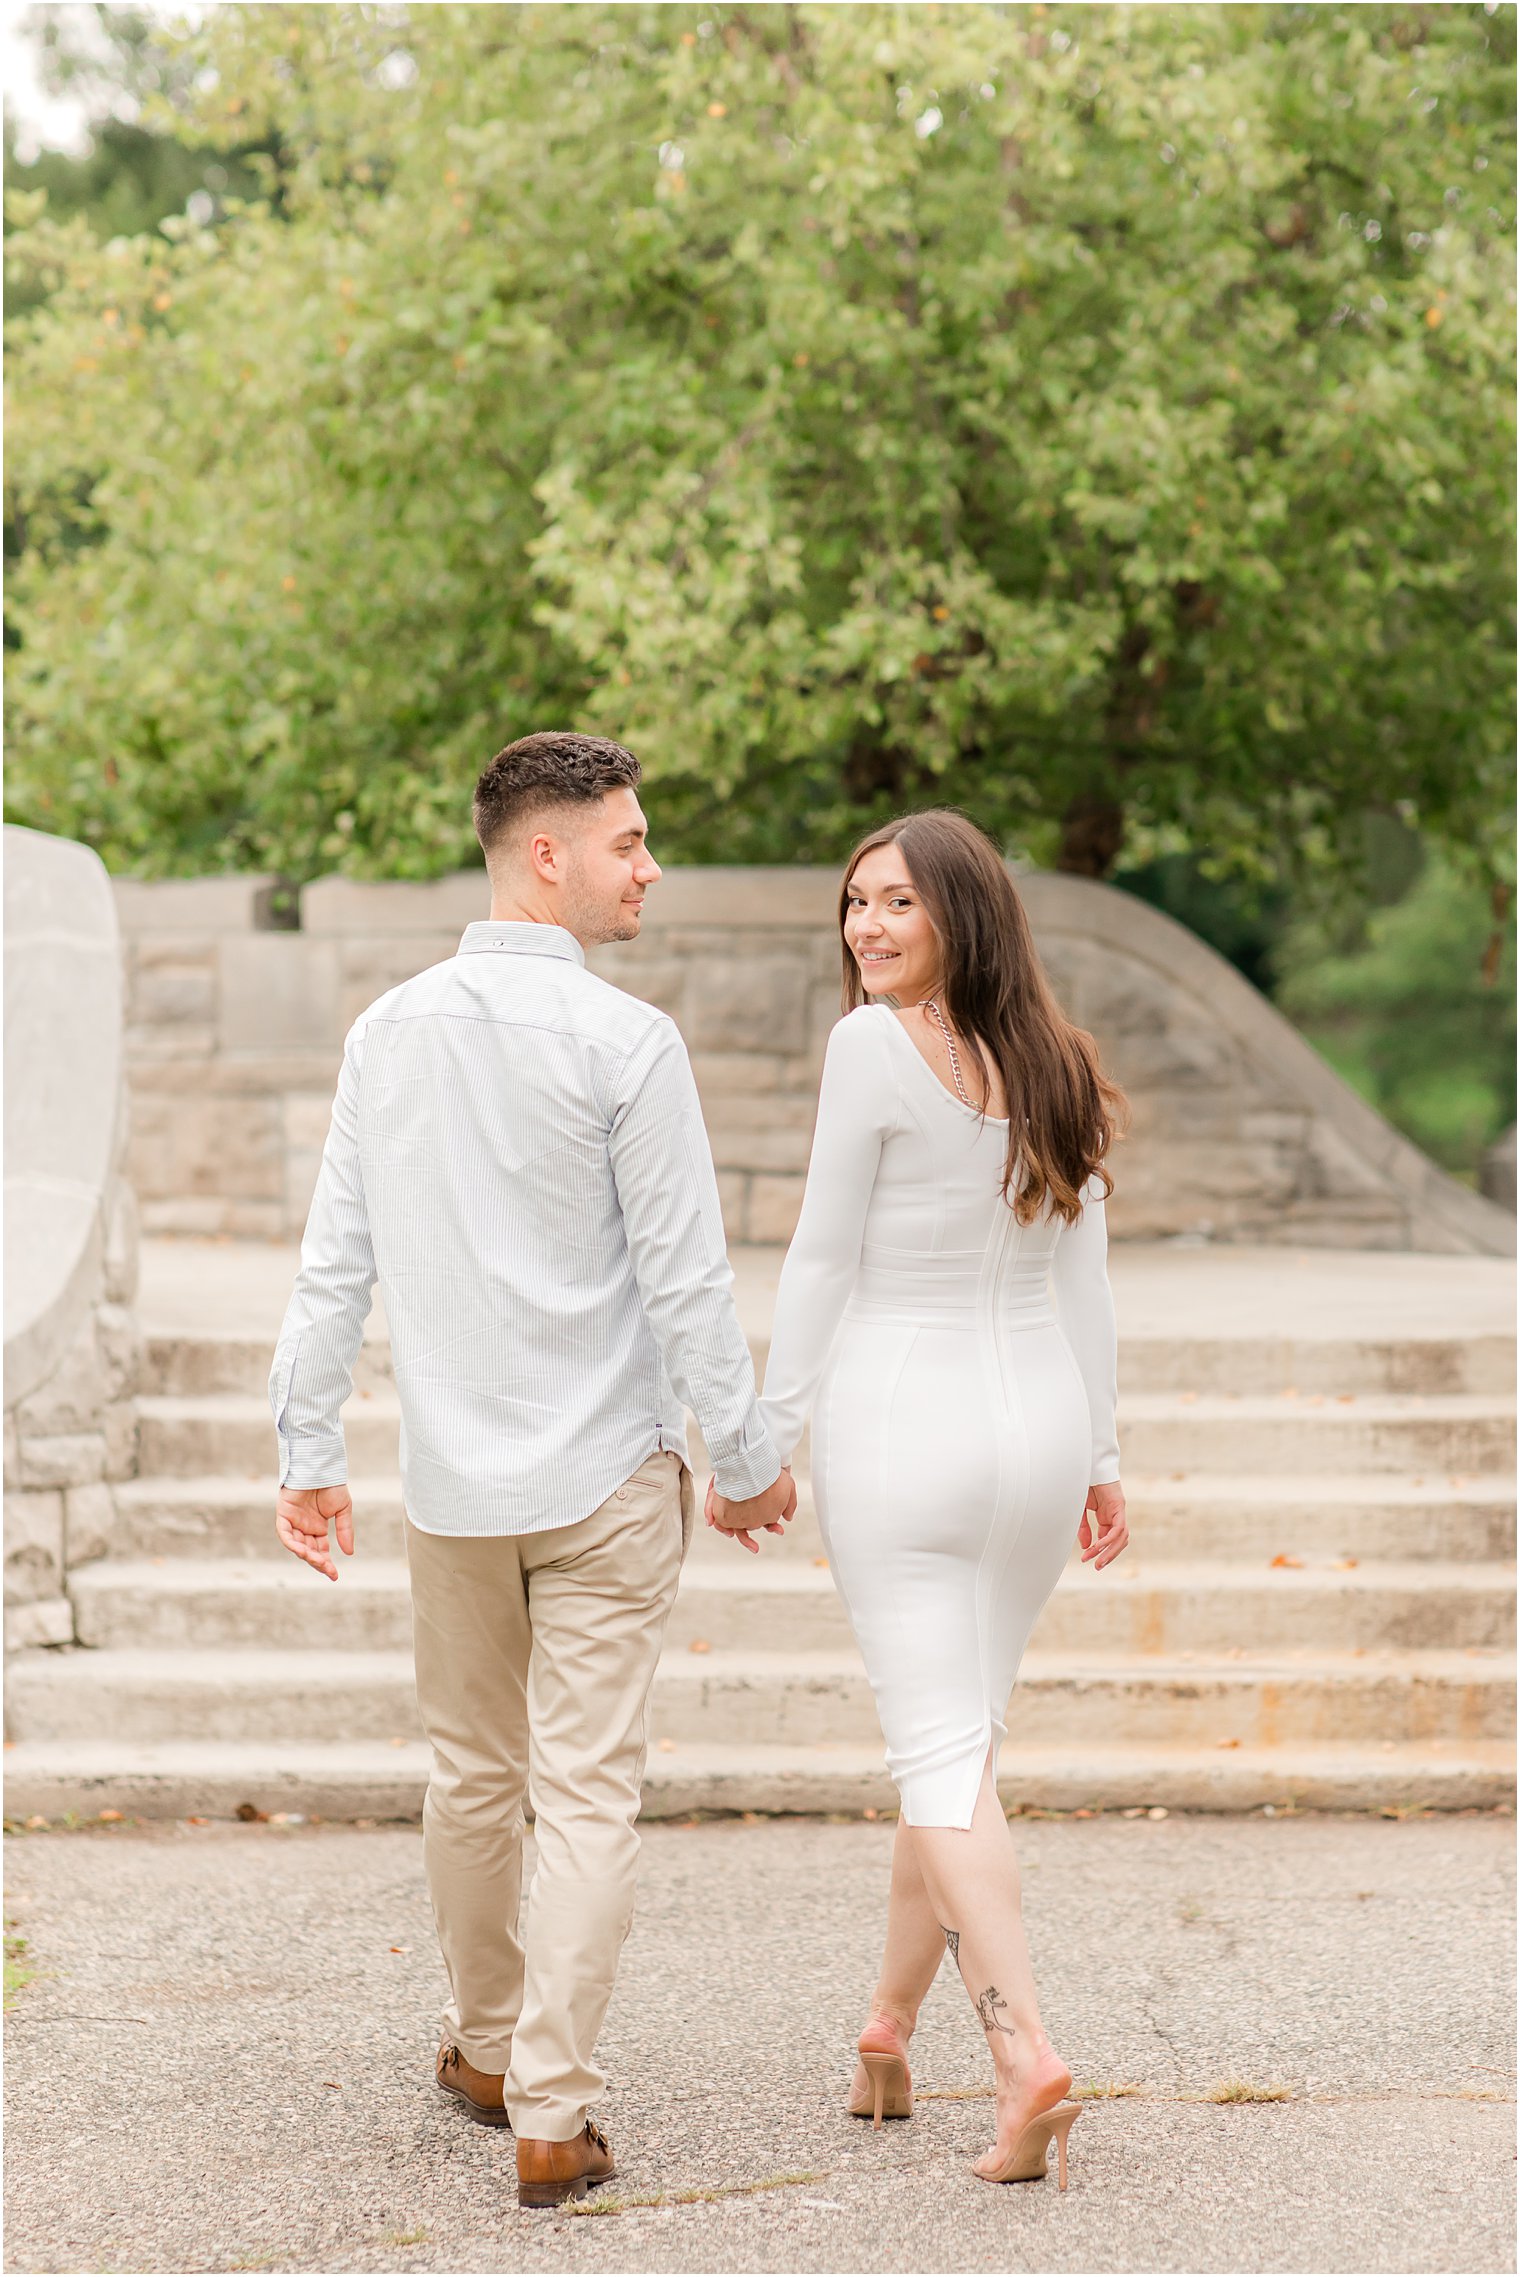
x=1158 y=1810
x=1227 y=1743
x=251 y=1815
x=1282 y=1558
x=1187 y=1399
x=401 y=1948
x=699 y=1644
x=196 y=1822
x=333 y=2083
x=1344 y=1565
x=1082 y=1814
x=667 y=1747
x=111 y=1818
x=816 y=1561
x=869 y=1812
x=398 y=1743
x=35 y=1825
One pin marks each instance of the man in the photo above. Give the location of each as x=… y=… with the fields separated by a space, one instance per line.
x=517 y=1155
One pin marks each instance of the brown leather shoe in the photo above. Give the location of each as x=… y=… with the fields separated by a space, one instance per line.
x=549 y=2173
x=478 y=2091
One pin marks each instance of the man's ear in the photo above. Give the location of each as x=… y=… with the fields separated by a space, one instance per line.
x=545 y=858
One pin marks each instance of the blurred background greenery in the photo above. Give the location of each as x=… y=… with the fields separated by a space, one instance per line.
x=1098 y=417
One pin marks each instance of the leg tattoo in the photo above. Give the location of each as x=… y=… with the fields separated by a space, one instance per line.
x=952 y=1939
x=987 y=2005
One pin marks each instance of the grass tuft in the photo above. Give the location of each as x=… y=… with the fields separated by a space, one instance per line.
x=405 y=2237
x=1248 y=2091
x=18 y=1970
x=1103 y=2091
x=583 y=2208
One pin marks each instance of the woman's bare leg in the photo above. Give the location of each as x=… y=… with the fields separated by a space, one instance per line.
x=971 y=1878
x=914 y=1948
x=913 y=1952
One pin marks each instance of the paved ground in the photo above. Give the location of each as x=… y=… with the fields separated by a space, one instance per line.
x=225 y=2062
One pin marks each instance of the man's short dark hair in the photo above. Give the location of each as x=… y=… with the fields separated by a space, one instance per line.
x=548 y=770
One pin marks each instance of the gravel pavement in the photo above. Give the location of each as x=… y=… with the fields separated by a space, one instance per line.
x=225 y=2060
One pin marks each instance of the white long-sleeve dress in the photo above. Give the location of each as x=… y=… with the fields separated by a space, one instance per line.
x=958 y=1416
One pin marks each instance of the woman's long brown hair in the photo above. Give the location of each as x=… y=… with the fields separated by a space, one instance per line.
x=1063 y=1112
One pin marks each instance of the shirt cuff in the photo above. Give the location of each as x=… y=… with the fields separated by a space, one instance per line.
x=321 y=1460
x=751 y=1470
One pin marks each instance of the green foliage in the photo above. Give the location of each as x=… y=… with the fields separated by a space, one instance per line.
x=1419 y=1013
x=1089 y=414
x=131 y=177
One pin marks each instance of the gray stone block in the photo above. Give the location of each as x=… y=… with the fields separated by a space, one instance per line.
x=187 y=905
x=662 y=981
x=71 y=1398
x=194 y=1040
x=187 y=1147
x=212 y=1215
x=166 y=995
x=89 y=1524
x=120 y=1344
x=720 y=1073
x=72 y=1458
x=733 y=1193
x=774 y=1206
x=33 y=1546
x=50 y=1621
x=120 y=1460
x=279 y=992
x=120 y=1264
x=365 y=906
x=758 y=1004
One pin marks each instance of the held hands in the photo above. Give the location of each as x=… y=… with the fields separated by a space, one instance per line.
x=301 y=1519
x=737 y=1519
x=1103 y=1532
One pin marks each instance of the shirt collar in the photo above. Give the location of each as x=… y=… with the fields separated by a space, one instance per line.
x=527 y=940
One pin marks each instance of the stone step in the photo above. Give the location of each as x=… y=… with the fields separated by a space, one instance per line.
x=372 y=1779
x=1378 y=1516
x=1135 y=1607
x=1424 y=1698
x=183 y=1363
x=233 y=1431
x=1159 y=1433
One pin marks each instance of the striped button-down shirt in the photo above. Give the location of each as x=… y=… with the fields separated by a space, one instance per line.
x=517 y=1155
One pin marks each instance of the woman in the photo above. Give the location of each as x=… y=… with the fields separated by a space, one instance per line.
x=962 y=1429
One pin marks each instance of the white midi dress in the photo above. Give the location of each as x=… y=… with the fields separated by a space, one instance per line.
x=958 y=1414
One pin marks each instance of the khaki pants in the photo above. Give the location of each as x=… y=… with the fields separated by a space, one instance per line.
x=535 y=1656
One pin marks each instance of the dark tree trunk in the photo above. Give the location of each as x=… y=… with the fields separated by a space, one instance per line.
x=1092 y=834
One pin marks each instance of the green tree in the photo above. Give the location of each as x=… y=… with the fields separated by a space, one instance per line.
x=1417 y=1010
x=1094 y=415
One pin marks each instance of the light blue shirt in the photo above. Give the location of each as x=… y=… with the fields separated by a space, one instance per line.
x=517 y=1155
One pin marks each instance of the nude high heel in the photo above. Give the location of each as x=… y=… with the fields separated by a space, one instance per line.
x=889 y=2083
x=1026 y=2160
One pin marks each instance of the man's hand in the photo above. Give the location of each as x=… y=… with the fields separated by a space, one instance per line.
x=770 y=1510
x=301 y=1519
x=1104 y=1531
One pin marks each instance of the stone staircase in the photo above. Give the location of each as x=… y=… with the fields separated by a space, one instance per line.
x=1318 y=1604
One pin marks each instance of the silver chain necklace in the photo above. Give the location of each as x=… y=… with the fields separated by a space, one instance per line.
x=940 y=1022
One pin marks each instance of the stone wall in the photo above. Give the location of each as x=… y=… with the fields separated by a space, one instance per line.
x=1240 y=1131
x=72 y=1349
